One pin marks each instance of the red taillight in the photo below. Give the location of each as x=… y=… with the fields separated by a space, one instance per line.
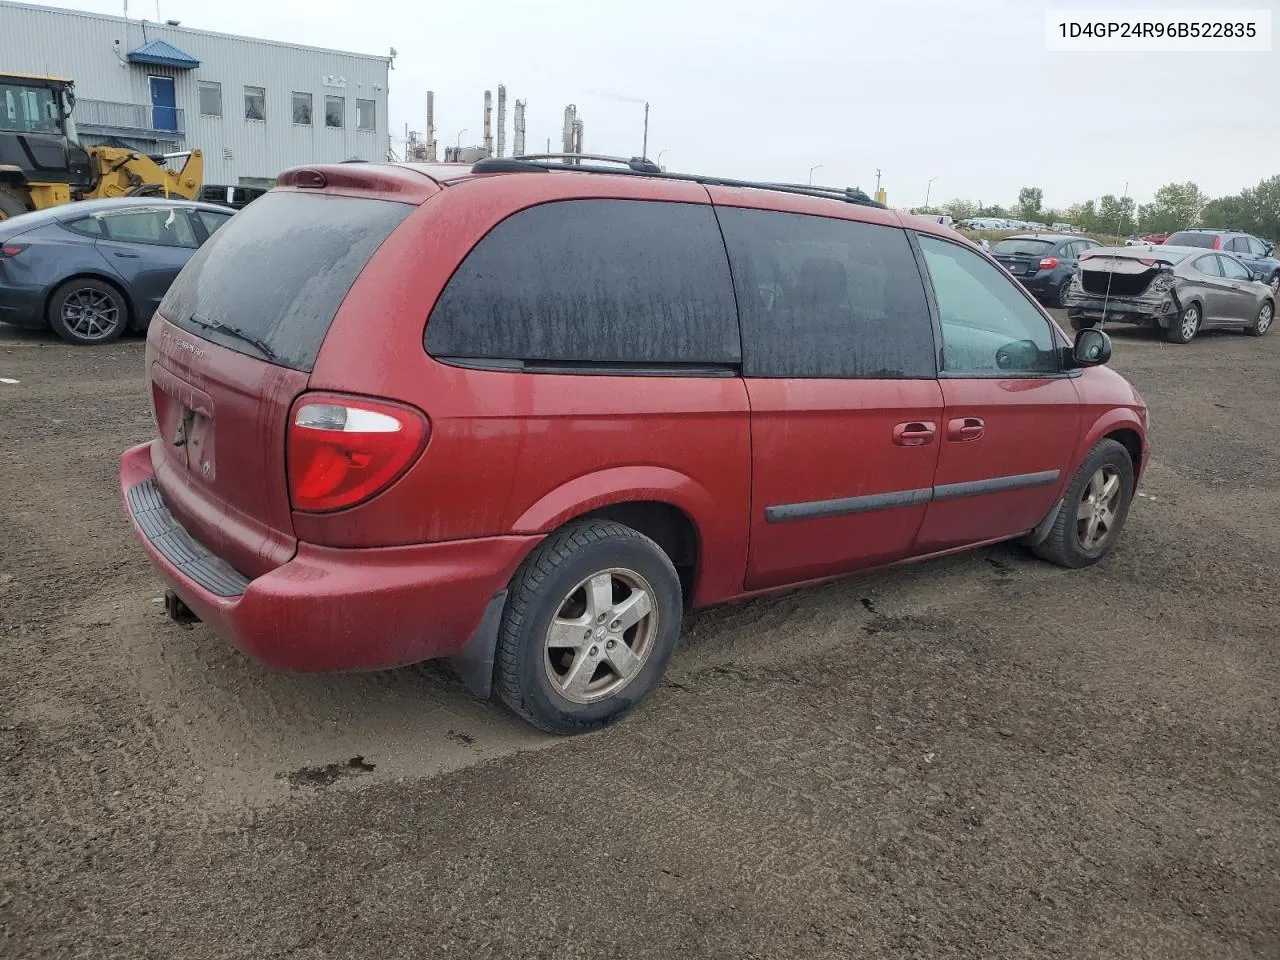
x=12 y=249
x=1048 y=263
x=1217 y=242
x=342 y=450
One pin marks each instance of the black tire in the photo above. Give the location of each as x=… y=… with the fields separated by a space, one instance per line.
x=1184 y=329
x=12 y=202
x=548 y=584
x=1274 y=284
x=1060 y=295
x=1082 y=323
x=1064 y=544
x=106 y=302
x=1263 y=321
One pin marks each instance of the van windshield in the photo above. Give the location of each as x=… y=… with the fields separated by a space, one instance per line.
x=270 y=282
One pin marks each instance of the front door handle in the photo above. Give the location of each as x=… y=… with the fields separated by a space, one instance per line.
x=914 y=433
x=124 y=256
x=965 y=428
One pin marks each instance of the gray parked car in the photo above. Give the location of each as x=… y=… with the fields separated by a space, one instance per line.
x=1180 y=290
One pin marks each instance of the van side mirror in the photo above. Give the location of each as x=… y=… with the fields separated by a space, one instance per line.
x=1092 y=348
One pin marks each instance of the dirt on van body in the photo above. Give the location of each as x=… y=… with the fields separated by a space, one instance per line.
x=983 y=756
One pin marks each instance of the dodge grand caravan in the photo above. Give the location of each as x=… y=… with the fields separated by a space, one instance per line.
x=523 y=415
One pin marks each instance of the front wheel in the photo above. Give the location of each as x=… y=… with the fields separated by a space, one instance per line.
x=1094 y=509
x=1262 y=322
x=86 y=311
x=591 y=619
x=1184 y=329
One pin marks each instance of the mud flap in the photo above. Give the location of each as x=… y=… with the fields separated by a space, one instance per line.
x=474 y=665
x=1041 y=532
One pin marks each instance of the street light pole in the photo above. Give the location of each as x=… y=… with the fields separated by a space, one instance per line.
x=659 y=160
x=644 y=150
x=927 y=190
x=816 y=166
x=460 y=133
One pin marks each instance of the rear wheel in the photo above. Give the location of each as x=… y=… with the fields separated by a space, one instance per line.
x=85 y=311
x=12 y=202
x=1063 y=289
x=1262 y=322
x=591 y=619
x=1184 y=329
x=1094 y=509
x=1274 y=284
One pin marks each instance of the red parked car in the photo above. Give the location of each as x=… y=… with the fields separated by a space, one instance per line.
x=524 y=415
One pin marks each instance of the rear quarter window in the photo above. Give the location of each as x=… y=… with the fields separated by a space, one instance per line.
x=279 y=270
x=595 y=282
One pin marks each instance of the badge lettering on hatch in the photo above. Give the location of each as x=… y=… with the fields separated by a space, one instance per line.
x=181 y=343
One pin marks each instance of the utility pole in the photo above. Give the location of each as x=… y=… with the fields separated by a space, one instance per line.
x=877 y=179
x=927 y=190
x=644 y=150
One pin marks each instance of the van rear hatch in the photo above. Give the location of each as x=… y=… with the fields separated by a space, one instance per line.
x=232 y=346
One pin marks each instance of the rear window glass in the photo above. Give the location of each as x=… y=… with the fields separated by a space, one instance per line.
x=278 y=271
x=626 y=282
x=1032 y=247
x=1190 y=240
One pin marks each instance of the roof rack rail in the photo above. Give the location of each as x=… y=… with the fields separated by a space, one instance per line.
x=639 y=166
x=636 y=164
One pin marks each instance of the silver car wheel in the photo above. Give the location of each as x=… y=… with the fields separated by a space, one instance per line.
x=90 y=314
x=601 y=635
x=1275 y=284
x=1096 y=516
x=1265 y=316
x=1190 y=322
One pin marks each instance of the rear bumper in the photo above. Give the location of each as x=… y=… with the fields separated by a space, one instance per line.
x=1158 y=310
x=328 y=609
x=22 y=306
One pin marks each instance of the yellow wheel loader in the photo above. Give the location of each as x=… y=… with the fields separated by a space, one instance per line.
x=43 y=165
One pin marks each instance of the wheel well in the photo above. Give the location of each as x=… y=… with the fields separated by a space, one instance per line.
x=1130 y=440
x=128 y=304
x=667 y=526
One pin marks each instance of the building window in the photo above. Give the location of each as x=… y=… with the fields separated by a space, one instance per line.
x=366 y=113
x=255 y=103
x=210 y=99
x=302 y=108
x=334 y=110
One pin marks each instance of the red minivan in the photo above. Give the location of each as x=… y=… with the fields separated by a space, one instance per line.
x=524 y=414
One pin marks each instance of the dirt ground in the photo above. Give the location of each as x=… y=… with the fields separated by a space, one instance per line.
x=984 y=756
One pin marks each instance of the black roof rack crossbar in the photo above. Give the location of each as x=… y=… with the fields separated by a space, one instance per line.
x=638 y=166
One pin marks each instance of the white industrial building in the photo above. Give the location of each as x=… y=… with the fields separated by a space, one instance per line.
x=254 y=107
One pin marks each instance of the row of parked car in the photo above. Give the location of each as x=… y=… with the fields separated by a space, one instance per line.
x=1192 y=281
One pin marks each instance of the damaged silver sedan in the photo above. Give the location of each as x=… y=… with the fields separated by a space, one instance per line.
x=1179 y=290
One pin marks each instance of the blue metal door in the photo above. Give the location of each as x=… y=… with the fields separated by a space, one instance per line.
x=164 y=104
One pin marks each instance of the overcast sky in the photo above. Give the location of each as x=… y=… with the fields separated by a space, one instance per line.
x=960 y=90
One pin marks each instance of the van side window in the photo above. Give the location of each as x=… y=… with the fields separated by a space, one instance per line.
x=593 y=281
x=828 y=298
x=988 y=325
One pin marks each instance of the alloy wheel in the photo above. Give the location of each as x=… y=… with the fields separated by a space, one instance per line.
x=601 y=635
x=1265 y=316
x=1190 y=322
x=1096 y=517
x=1275 y=284
x=90 y=314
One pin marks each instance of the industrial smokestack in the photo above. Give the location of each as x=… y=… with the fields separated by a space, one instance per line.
x=502 y=120
x=518 y=140
x=577 y=136
x=431 y=126
x=566 y=138
x=488 y=123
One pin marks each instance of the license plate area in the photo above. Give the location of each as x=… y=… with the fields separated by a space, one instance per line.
x=184 y=415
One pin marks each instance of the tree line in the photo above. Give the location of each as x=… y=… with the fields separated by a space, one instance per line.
x=1175 y=206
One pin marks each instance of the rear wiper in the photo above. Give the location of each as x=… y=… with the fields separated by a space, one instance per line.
x=236 y=334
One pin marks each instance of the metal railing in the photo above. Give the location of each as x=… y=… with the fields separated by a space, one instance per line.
x=110 y=116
